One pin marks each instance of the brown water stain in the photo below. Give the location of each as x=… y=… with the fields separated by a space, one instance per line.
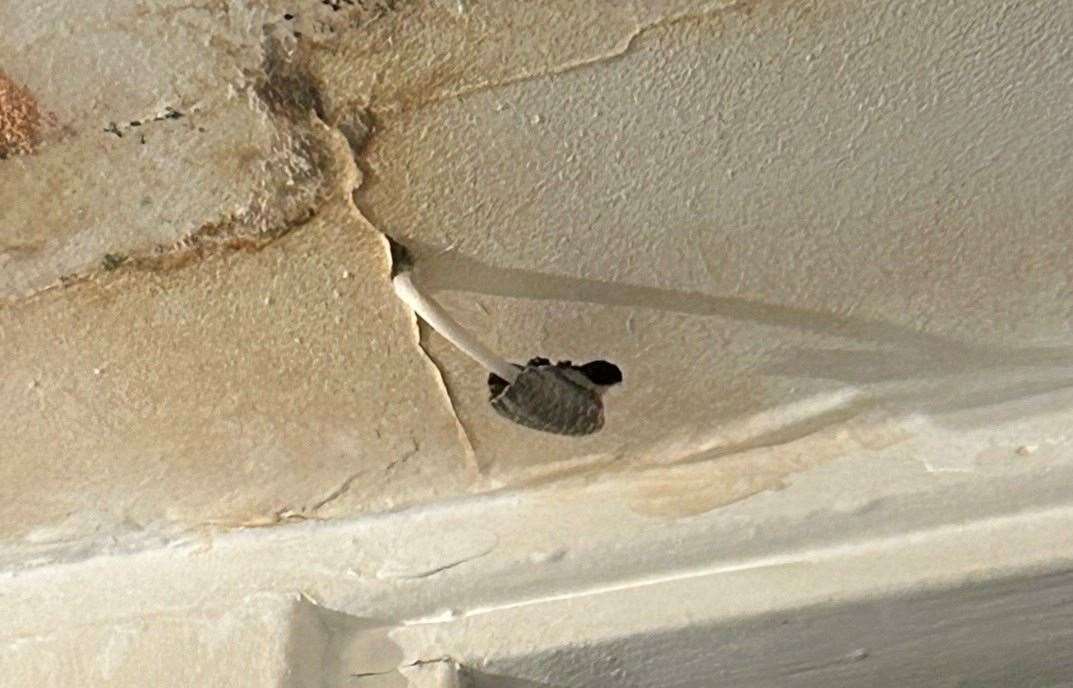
x=23 y=249
x=698 y=487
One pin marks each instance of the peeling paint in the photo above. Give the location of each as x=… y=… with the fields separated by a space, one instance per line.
x=355 y=132
x=437 y=372
x=441 y=384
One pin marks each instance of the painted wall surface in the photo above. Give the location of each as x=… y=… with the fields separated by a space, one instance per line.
x=807 y=231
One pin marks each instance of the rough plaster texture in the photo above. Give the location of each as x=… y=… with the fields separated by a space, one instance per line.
x=241 y=646
x=776 y=217
x=897 y=581
x=829 y=243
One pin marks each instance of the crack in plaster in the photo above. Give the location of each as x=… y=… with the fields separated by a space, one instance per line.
x=387 y=573
x=441 y=383
x=344 y=486
x=625 y=46
x=217 y=237
x=344 y=146
x=338 y=492
x=347 y=146
x=858 y=655
x=194 y=247
x=412 y=665
x=869 y=547
x=288 y=92
x=168 y=114
x=211 y=239
x=349 y=138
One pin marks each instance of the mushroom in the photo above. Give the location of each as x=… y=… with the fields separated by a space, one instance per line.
x=559 y=398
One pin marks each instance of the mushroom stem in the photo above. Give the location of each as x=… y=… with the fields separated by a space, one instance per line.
x=439 y=320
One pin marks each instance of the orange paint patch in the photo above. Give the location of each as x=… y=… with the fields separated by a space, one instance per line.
x=20 y=119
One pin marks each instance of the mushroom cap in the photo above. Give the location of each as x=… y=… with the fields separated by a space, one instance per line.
x=550 y=399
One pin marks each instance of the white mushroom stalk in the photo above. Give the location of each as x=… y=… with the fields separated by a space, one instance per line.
x=439 y=320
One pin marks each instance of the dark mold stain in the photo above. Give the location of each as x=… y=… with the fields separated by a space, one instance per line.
x=287 y=86
x=169 y=113
x=401 y=261
x=356 y=126
x=111 y=261
x=337 y=5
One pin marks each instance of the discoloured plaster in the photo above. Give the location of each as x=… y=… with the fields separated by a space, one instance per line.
x=828 y=242
x=724 y=475
x=174 y=391
x=171 y=171
x=746 y=205
x=672 y=244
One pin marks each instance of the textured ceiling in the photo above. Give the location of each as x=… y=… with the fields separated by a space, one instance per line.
x=847 y=221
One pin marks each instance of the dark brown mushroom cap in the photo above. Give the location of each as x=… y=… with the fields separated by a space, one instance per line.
x=549 y=398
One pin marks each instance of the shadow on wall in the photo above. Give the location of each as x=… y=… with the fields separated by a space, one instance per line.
x=333 y=649
x=948 y=374
x=479 y=680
